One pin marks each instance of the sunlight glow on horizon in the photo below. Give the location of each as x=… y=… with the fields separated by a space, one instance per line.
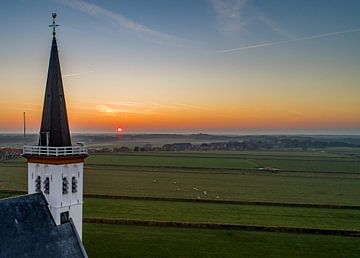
x=151 y=72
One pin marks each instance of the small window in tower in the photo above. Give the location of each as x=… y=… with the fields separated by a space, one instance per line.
x=74 y=185
x=47 y=185
x=38 y=184
x=64 y=217
x=65 y=185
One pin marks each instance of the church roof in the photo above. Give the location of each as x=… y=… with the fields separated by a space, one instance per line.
x=27 y=229
x=54 y=129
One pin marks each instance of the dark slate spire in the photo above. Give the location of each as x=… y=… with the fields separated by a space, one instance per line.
x=54 y=125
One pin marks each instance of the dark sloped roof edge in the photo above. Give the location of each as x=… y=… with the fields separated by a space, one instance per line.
x=47 y=208
x=82 y=248
x=34 y=195
x=19 y=196
x=27 y=229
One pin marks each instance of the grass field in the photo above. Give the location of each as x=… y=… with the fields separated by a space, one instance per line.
x=317 y=177
x=297 y=187
x=13 y=177
x=172 y=161
x=302 y=217
x=223 y=213
x=285 y=161
x=251 y=187
x=138 y=241
x=243 y=161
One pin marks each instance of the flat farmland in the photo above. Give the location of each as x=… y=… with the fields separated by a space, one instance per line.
x=158 y=175
x=304 y=177
x=186 y=161
x=194 y=212
x=13 y=177
x=294 y=187
x=284 y=161
x=262 y=215
x=323 y=165
x=138 y=241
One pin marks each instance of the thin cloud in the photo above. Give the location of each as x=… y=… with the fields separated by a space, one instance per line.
x=229 y=15
x=115 y=108
x=275 y=43
x=127 y=104
x=138 y=29
x=274 y=26
x=111 y=108
x=77 y=74
x=190 y=106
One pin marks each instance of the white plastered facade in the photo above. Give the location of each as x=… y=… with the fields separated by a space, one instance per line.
x=59 y=202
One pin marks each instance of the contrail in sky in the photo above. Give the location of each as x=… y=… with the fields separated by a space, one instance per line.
x=77 y=74
x=324 y=35
x=136 y=28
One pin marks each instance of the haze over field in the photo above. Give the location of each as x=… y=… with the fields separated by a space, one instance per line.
x=223 y=66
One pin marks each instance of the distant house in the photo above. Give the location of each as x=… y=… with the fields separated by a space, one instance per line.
x=9 y=153
x=177 y=147
x=122 y=149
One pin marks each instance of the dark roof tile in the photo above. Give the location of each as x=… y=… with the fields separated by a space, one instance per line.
x=27 y=229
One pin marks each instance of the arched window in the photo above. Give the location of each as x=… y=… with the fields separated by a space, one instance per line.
x=74 y=185
x=47 y=185
x=38 y=184
x=65 y=185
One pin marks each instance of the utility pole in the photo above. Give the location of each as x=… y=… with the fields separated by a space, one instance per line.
x=24 y=120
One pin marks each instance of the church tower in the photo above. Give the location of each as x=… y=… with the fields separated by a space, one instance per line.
x=55 y=166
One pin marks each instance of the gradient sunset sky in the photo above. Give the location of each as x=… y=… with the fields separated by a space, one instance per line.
x=223 y=66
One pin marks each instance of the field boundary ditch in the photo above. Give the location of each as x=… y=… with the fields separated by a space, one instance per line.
x=215 y=201
x=236 y=156
x=205 y=170
x=222 y=170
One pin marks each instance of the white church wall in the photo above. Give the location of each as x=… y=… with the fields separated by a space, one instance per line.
x=58 y=201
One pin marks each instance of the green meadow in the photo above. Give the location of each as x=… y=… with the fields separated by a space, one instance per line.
x=242 y=161
x=330 y=177
x=263 y=215
x=138 y=241
x=243 y=186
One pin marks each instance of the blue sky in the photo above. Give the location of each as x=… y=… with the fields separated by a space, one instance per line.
x=223 y=56
x=209 y=24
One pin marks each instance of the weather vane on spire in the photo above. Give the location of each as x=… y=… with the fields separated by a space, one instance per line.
x=54 y=25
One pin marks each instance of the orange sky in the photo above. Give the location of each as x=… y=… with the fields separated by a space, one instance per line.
x=152 y=117
x=270 y=74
